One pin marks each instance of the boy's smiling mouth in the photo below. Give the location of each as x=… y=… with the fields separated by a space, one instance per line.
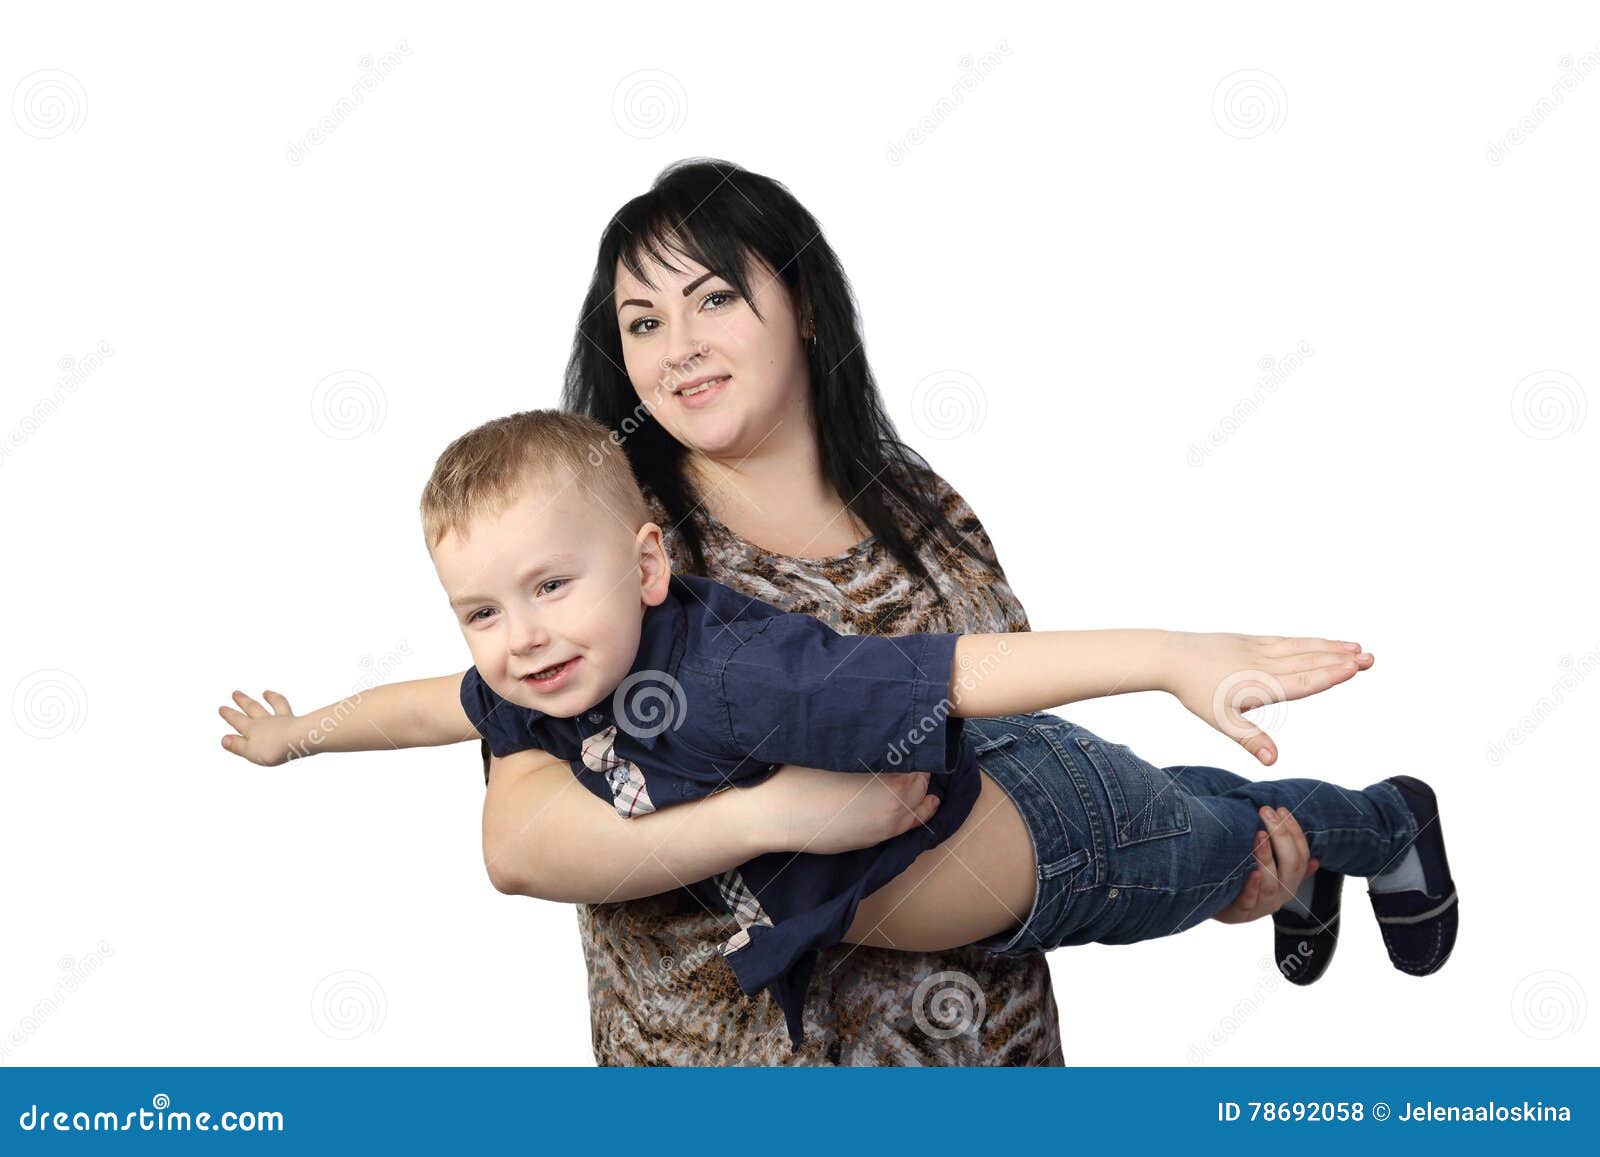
x=551 y=677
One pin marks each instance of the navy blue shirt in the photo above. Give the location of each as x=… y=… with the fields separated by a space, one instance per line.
x=723 y=690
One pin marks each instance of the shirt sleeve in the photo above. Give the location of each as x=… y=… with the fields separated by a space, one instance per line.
x=506 y=727
x=799 y=692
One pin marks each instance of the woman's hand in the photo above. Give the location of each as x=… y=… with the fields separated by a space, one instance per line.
x=802 y=809
x=1218 y=676
x=265 y=738
x=1282 y=863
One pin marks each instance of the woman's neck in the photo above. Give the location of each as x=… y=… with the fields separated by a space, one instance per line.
x=776 y=497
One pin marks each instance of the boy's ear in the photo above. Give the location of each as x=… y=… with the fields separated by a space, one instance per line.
x=655 y=568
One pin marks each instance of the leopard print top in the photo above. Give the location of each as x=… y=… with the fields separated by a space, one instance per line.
x=659 y=991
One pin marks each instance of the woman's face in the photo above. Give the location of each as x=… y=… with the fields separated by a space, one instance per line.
x=719 y=379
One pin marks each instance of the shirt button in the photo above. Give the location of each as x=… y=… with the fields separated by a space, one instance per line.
x=595 y=717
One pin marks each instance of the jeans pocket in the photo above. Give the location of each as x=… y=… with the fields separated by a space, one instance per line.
x=1146 y=803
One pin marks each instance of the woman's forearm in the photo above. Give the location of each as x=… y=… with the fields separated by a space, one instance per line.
x=545 y=836
x=1042 y=670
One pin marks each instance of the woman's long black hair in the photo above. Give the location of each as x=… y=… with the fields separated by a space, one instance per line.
x=718 y=214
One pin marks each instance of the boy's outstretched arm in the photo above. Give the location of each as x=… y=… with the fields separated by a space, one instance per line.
x=417 y=713
x=1216 y=676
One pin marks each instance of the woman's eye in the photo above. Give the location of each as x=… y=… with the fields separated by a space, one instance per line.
x=718 y=299
x=643 y=326
x=557 y=584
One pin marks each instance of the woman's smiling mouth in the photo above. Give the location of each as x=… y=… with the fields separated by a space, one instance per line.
x=701 y=390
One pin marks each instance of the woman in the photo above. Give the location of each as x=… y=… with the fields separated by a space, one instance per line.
x=719 y=341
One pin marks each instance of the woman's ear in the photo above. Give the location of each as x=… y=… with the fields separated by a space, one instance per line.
x=655 y=568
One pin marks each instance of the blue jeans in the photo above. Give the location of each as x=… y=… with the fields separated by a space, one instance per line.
x=1128 y=851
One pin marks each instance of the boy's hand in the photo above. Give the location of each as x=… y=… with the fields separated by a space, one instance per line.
x=1219 y=676
x=265 y=738
x=802 y=809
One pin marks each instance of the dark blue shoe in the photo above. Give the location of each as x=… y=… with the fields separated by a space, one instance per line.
x=1419 y=928
x=1303 y=942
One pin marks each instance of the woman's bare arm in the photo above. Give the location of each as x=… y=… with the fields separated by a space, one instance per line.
x=546 y=836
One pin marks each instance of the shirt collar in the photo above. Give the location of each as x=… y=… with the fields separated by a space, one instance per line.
x=650 y=699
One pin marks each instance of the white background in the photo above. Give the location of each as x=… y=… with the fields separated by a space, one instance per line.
x=1084 y=261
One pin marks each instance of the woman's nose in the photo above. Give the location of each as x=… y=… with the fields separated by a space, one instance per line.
x=687 y=353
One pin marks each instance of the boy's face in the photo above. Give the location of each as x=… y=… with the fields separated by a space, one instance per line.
x=554 y=581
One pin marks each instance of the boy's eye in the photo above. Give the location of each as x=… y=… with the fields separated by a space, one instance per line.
x=549 y=584
x=474 y=616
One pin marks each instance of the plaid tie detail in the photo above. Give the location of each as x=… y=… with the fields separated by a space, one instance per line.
x=746 y=909
x=624 y=777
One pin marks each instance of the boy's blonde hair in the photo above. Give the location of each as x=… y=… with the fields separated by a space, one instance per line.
x=485 y=470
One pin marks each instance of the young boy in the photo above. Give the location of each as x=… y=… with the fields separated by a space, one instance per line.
x=660 y=688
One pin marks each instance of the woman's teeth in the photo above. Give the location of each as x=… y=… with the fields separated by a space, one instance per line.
x=702 y=387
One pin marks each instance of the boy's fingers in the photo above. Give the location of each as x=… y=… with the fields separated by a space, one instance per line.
x=251 y=707
x=234 y=718
x=278 y=702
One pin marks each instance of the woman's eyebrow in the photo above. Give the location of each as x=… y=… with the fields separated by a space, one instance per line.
x=634 y=301
x=696 y=283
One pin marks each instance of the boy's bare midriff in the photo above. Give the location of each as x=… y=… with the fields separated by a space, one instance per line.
x=979 y=882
